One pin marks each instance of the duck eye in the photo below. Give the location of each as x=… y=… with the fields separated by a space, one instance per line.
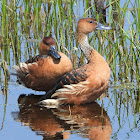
x=90 y=21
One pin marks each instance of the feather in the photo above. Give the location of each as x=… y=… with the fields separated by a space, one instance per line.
x=71 y=89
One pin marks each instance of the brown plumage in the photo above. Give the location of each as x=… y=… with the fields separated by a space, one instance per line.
x=88 y=82
x=42 y=71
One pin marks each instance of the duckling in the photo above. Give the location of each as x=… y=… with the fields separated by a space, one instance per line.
x=86 y=83
x=41 y=72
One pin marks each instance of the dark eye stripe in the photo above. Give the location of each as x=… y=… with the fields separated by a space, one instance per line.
x=45 y=43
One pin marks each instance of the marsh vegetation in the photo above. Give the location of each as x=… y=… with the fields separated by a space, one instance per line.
x=24 y=23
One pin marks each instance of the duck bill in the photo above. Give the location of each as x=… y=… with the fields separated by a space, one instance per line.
x=53 y=52
x=102 y=27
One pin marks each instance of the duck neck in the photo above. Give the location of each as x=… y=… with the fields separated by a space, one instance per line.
x=85 y=47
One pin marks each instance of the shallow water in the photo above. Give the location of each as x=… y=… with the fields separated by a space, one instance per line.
x=115 y=115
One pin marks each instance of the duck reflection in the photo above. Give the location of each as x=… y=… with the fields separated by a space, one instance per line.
x=88 y=121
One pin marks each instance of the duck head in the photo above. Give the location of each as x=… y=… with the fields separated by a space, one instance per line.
x=87 y=25
x=48 y=46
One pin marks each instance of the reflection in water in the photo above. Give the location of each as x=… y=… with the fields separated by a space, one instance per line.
x=89 y=121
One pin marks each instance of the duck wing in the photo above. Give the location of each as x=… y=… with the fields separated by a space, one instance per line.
x=72 y=83
x=35 y=59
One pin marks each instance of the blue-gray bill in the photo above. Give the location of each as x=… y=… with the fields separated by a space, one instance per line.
x=54 y=52
x=102 y=27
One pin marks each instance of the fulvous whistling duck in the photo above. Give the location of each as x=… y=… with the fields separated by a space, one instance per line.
x=42 y=71
x=87 y=83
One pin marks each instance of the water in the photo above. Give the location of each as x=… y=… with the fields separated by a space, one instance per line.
x=105 y=119
x=115 y=115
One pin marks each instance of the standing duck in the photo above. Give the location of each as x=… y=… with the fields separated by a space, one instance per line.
x=42 y=71
x=85 y=84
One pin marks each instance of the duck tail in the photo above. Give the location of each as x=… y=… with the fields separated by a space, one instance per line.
x=21 y=72
x=16 y=68
x=21 y=69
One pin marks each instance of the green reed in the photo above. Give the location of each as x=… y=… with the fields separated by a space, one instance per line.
x=138 y=16
x=57 y=18
x=122 y=53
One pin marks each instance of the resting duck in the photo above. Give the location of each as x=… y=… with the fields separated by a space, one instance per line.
x=42 y=71
x=87 y=83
